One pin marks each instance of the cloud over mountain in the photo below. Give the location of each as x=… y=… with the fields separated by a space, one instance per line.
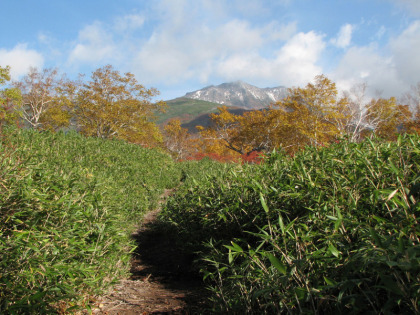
x=176 y=45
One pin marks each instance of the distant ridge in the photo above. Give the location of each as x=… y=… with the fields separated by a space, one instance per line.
x=186 y=109
x=195 y=108
x=239 y=94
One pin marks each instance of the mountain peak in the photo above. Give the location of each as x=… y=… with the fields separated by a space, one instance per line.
x=239 y=94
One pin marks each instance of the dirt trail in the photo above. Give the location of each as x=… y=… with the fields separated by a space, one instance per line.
x=161 y=281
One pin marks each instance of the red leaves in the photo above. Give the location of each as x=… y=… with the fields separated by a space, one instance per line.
x=254 y=157
x=213 y=156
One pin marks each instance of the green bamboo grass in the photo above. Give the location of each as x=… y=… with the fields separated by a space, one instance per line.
x=68 y=205
x=331 y=230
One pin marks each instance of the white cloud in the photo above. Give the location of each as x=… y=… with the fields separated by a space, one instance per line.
x=344 y=36
x=190 y=40
x=283 y=32
x=129 y=22
x=294 y=64
x=243 y=66
x=175 y=54
x=94 y=45
x=405 y=49
x=20 y=59
x=297 y=59
x=367 y=65
x=412 y=6
x=390 y=70
x=199 y=40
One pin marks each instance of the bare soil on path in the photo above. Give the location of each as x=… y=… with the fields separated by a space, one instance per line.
x=161 y=279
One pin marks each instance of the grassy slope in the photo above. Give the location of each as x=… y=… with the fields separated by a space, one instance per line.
x=68 y=205
x=186 y=109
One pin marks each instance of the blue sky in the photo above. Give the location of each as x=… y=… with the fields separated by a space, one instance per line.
x=179 y=46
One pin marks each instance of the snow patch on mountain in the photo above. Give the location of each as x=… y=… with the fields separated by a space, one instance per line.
x=240 y=94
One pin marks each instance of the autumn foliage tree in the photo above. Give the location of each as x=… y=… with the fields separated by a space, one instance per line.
x=112 y=105
x=387 y=118
x=314 y=115
x=177 y=140
x=412 y=99
x=10 y=99
x=45 y=99
x=308 y=116
x=219 y=138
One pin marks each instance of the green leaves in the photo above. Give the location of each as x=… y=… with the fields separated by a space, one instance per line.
x=333 y=229
x=333 y=250
x=263 y=203
x=234 y=251
x=276 y=263
x=66 y=215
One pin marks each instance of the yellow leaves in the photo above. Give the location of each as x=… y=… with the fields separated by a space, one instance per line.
x=10 y=99
x=174 y=127
x=312 y=113
x=116 y=106
x=224 y=117
x=386 y=117
x=177 y=140
x=55 y=117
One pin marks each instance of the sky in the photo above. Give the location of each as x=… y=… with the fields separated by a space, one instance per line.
x=178 y=46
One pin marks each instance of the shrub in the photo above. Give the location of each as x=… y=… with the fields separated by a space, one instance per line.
x=68 y=206
x=331 y=229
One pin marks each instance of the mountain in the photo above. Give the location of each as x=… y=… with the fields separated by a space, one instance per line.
x=186 y=109
x=194 y=108
x=239 y=94
x=191 y=112
x=204 y=120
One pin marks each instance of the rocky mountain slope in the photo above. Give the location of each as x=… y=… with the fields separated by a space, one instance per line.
x=195 y=108
x=239 y=94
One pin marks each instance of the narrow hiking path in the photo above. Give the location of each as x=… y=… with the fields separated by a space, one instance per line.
x=161 y=280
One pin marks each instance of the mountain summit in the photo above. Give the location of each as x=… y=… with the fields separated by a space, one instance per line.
x=239 y=94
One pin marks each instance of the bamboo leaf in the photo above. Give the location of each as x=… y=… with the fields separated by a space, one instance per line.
x=237 y=248
x=281 y=224
x=330 y=281
x=277 y=263
x=263 y=203
x=392 y=195
x=333 y=250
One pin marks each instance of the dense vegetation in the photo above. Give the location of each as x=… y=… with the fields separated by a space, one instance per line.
x=68 y=206
x=331 y=229
x=328 y=224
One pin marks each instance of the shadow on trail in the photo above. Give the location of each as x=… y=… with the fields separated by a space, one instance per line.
x=158 y=261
